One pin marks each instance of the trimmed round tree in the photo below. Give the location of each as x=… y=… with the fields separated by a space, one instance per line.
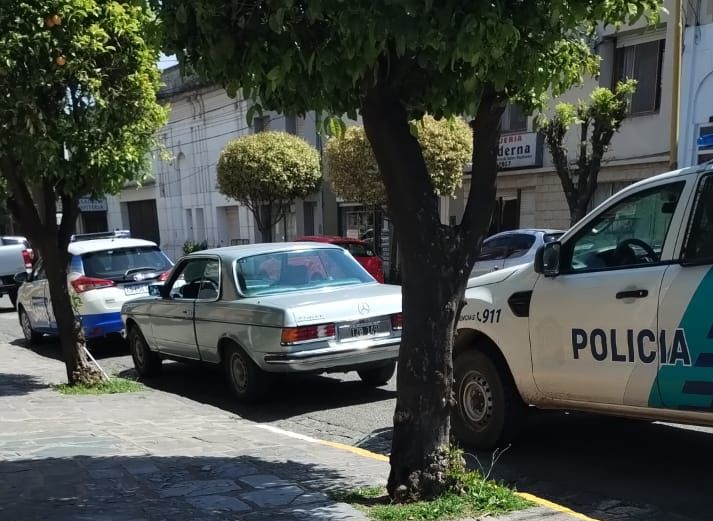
x=78 y=115
x=266 y=172
x=353 y=173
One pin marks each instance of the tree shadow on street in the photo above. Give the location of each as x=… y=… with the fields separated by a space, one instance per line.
x=12 y=384
x=289 y=395
x=49 y=347
x=122 y=488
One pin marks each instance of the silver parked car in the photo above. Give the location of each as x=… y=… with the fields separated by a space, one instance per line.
x=512 y=248
x=269 y=308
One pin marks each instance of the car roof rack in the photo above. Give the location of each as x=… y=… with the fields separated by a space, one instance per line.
x=116 y=234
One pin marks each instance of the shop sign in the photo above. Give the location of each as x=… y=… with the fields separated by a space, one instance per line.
x=92 y=205
x=520 y=150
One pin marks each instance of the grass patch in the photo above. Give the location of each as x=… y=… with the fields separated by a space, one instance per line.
x=478 y=497
x=115 y=385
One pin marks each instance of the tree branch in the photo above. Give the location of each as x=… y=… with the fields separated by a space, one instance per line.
x=555 y=132
x=482 y=194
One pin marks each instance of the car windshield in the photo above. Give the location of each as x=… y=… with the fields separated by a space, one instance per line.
x=285 y=272
x=552 y=237
x=357 y=249
x=118 y=264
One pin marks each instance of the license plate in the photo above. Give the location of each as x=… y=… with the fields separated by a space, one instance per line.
x=136 y=290
x=364 y=330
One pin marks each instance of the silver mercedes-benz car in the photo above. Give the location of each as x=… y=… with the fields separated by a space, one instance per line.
x=268 y=308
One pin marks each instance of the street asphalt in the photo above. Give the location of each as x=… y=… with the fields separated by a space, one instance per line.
x=608 y=469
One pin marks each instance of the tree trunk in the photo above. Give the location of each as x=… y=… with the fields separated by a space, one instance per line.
x=436 y=261
x=577 y=211
x=71 y=337
x=38 y=218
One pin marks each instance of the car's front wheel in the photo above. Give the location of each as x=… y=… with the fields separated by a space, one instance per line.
x=31 y=336
x=377 y=376
x=248 y=382
x=489 y=407
x=146 y=362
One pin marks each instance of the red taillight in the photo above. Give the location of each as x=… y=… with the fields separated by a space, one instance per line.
x=83 y=284
x=164 y=276
x=397 y=321
x=27 y=258
x=295 y=335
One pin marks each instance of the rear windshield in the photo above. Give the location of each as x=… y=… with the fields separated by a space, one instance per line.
x=284 y=272
x=356 y=249
x=6 y=241
x=121 y=263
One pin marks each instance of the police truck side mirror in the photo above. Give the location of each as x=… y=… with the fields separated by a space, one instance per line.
x=547 y=259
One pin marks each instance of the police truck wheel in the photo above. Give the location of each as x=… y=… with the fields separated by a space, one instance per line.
x=377 y=376
x=146 y=362
x=247 y=381
x=488 y=407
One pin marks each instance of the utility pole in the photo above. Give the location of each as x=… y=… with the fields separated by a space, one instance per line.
x=676 y=87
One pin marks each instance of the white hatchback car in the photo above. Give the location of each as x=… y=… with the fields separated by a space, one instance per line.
x=512 y=248
x=105 y=271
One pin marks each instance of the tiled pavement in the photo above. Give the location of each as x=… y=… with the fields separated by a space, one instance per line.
x=156 y=456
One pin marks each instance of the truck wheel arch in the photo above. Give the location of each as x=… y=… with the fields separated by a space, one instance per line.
x=473 y=339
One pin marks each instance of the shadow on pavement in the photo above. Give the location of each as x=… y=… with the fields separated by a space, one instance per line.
x=19 y=384
x=289 y=396
x=50 y=347
x=121 y=488
x=6 y=310
x=610 y=468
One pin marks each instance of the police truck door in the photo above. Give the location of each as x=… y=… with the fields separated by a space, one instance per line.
x=593 y=328
x=685 y=376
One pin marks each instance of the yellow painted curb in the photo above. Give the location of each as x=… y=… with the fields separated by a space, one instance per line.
x=553 y=506
x=380 y=457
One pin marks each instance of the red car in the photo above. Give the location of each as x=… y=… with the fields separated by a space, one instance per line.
x=360 y=250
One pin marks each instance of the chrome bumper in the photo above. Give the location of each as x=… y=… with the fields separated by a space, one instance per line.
x=346 y=356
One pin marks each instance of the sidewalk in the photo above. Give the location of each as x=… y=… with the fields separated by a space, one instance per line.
x=156 y=456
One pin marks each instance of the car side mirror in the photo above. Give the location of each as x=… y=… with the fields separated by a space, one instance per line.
x=158 y=290
x=547 y=259
x=21 y=277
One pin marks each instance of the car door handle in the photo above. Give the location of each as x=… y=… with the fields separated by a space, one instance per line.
x=634 y=293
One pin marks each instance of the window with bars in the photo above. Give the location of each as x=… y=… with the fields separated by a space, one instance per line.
x=641 y=62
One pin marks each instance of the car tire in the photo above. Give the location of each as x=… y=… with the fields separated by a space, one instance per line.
x=13 y=298
x=31 y=336
x=488 y=407
x=247 y=381
x=377 y=376
x=146 y=362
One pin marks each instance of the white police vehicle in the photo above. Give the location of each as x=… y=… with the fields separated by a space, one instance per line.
x=615 y=318
x=106 y=270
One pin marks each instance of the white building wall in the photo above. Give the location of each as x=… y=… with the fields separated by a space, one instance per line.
x=696 y=90
x=202 y=120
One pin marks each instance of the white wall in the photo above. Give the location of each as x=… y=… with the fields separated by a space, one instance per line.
x=696 y=89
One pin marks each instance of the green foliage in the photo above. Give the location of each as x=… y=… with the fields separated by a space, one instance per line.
x=598 y=120
x=478 y=498
x=351 y=168
x=438 y=56
x=115 y=385
x=190 y=246
x=78 y=84
x=268 y=167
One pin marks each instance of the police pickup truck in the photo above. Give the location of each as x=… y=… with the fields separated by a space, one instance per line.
x=616 y=317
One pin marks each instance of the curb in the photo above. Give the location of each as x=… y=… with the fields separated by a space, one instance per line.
x=380 y=457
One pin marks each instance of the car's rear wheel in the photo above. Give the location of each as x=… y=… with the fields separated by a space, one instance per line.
x=489 y=408
x=31 y=336
x=377 y=376
x=146 y=362
x=247 y=381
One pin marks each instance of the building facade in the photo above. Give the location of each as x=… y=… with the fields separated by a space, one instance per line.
x=180 y=201
x=529 y=190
